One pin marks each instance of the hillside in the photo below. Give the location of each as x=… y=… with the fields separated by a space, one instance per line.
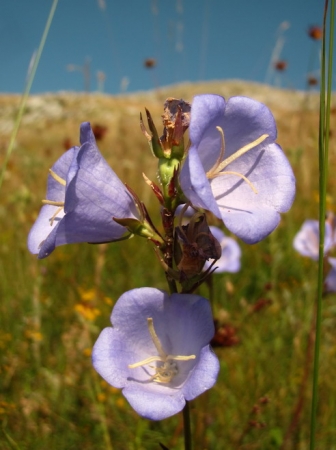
x=52 y=120
x=80 y=106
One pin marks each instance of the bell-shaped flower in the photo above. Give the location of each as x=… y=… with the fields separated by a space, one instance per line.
x=158 y=350
x=83 y=196
x=234 y=168
x=231 y=253
x=306 y=241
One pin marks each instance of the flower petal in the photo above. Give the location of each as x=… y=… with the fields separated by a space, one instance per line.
x=42 y=229
x=86 y=133
x=206 y=113
x=251 y=224
x=154 y=405
x=250 y=215
x=195 y=184
x=109 y=349
x=182 y=314
x=244 y=121
x=42 y=236
x=204 y=375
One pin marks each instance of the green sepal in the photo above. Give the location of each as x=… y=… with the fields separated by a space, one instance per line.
x=177 y=151
x=168 y=172
x=167 y=168
x=154 y=139
x=139 y=228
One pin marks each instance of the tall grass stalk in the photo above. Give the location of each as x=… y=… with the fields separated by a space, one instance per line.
x=324 y=127
x=25 y=95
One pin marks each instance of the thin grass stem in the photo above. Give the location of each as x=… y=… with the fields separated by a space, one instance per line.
x=26 y=91
x=324 y=125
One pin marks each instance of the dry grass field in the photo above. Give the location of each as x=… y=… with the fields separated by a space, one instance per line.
x=51 y=311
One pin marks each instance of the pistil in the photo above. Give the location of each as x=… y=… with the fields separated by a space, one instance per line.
x=166 y=372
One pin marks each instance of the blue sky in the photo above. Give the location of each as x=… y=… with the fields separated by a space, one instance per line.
x=192 y=40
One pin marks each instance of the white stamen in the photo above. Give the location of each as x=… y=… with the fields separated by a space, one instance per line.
x=52 y=202
x=54 y=215
x=241 y=151
x=214 y=169
x=228 y=172
x=57 y=177
x=217 y=168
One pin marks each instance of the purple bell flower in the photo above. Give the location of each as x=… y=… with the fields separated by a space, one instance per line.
x=83 y=196
x=158 y=350
x=234 y=168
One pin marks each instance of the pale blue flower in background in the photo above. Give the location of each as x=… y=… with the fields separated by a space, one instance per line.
x=231 y=253
x=306 y=241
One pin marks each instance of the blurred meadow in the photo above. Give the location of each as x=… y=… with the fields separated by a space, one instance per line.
x=52 y=310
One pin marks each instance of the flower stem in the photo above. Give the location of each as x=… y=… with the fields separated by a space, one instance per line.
x=168 y=225
x=187 y=427
x=323 y=169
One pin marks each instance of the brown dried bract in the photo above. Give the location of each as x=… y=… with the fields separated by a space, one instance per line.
x=197 y=245
x=172 y=106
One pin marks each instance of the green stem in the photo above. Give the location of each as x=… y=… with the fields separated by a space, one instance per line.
x=187 y=427
x=172 y=285
x=323 y=171
x=27 y=91
x=168 y=225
